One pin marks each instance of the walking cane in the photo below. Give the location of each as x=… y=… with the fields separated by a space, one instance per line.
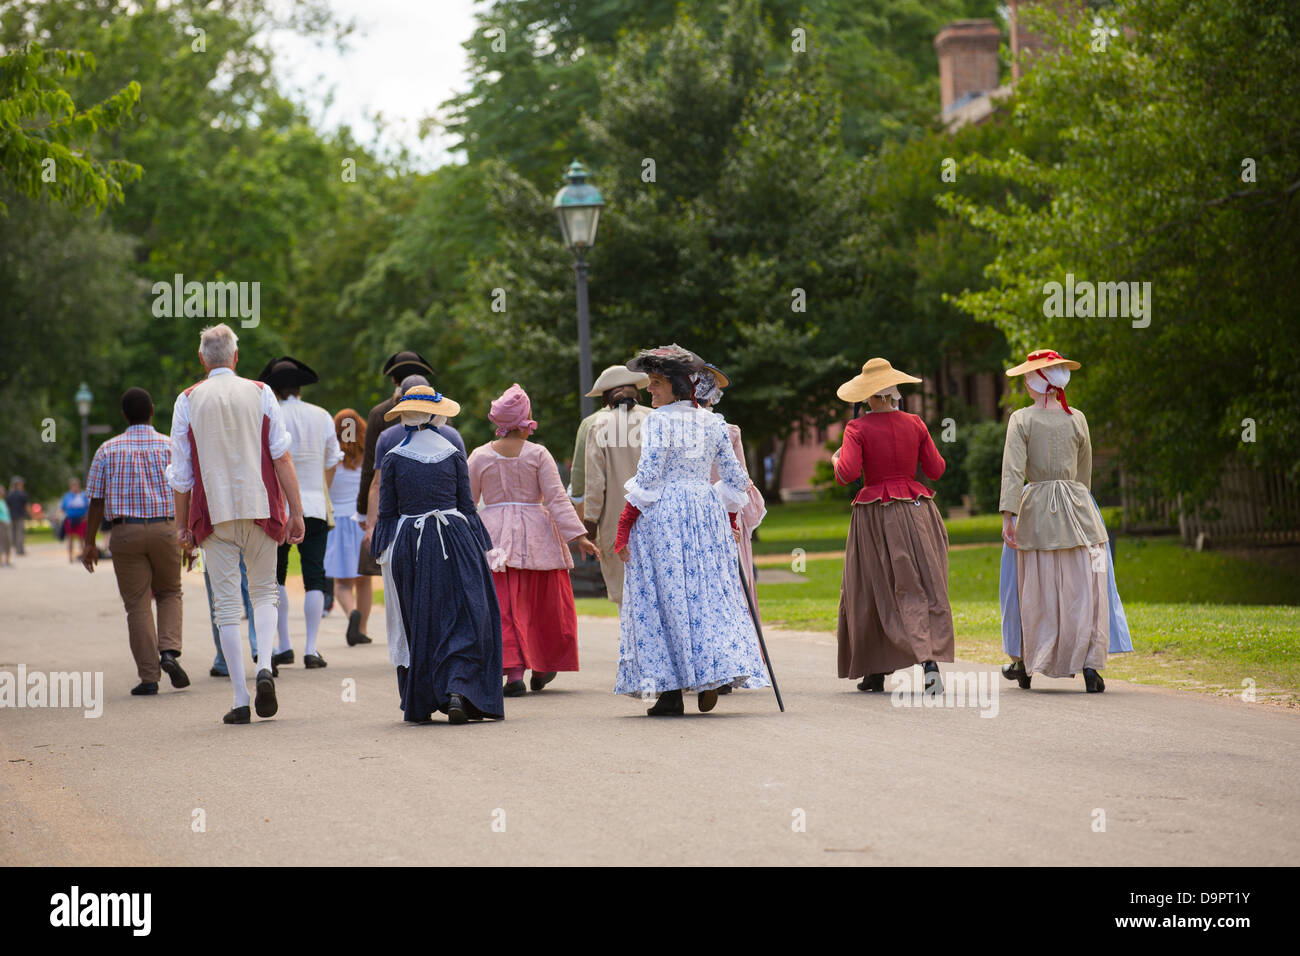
x=758 y=628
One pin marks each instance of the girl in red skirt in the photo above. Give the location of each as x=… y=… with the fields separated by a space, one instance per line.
x=527 y=512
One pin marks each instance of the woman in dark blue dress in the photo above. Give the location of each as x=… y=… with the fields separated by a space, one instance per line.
x=444 y=626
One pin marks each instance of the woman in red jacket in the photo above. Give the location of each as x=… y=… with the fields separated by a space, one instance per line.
x=894 y=610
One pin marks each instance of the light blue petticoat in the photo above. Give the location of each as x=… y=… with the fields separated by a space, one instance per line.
x=1009 y=598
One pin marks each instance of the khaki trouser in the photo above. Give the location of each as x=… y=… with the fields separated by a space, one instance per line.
x=147 y=558
x=221 y=551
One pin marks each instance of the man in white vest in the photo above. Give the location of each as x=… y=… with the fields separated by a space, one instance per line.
x=231 y=475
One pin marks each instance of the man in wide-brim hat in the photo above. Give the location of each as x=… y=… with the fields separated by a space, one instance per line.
x=894 y=610
x=608 y=448
x=398 y=366
x=1056 y=556
x=615 y=378
x=316 y=453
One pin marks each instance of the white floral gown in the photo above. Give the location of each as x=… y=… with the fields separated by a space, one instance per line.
x=685 y=624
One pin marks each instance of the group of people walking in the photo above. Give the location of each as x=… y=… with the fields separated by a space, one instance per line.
x=1061 y=611
x=474 y=549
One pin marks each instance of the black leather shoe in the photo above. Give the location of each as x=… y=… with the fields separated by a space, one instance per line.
x=311 y=661
x=237 y=715
x=213 y=672
x=933 y=682
x=669 y=704
x=354 y=628
x=144 y=688
x=362 y=639
x=707 y=700
x=265 y=701
x=872 y=683
x=457 y=711
x=514 y=688
x=284 y=657
x=172 y=666
x=1092 y=681
x=538 y=681
x=1016 y=671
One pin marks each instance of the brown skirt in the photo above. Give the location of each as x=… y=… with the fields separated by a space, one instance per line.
x=894 y=610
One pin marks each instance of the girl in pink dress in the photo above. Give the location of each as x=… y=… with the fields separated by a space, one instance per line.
x=527 y=512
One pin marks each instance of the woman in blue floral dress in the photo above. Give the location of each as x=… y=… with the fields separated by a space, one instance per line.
x=685 y=625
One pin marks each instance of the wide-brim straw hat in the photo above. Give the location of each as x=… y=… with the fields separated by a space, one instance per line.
x=1041 y=358
x=423 y=398
x=616 y=376
x=877 y=375
x=287 y=372
x=720 y=379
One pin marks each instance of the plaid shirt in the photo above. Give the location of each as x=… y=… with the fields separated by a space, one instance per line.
x=128 y=474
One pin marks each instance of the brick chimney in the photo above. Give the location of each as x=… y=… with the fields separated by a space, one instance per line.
x=968 y=59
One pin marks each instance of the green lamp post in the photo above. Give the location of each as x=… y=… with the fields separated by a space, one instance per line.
x=578 y=205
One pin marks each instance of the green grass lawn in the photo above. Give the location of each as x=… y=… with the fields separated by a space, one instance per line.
x=823 y=526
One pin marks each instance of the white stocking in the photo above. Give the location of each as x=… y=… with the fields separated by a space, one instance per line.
x=234 y=653
x=313 y=606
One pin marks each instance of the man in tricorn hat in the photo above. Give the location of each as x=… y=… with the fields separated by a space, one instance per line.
x=613 y=448
x=315 y=453
x=398 y=366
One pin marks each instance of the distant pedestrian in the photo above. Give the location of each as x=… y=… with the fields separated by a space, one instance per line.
x=5 y=534
x=128 y=486
x=17 y=501
x=74 y=506
x=316 y=454
x=343 y=547
x=232 y=474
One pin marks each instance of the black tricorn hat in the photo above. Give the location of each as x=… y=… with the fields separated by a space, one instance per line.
x=402 y=364
x=287 y=372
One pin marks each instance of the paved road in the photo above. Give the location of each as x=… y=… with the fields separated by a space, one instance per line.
x=576 y=775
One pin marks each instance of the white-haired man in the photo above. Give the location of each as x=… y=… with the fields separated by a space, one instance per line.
x=232 y=474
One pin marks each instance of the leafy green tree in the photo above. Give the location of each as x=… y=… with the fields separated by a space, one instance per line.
x=1172 y=157
x=69 y=299
x=40 y=127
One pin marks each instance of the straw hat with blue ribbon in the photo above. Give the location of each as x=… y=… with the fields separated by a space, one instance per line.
x=423 y=398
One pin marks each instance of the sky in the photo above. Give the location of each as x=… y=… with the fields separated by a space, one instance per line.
x=404 y=60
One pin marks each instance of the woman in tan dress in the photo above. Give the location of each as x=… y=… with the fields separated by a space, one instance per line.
x=1048 y=517
x=894 y=610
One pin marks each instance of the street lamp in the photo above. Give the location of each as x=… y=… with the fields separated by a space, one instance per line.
x=83 y=400
x=578 y=206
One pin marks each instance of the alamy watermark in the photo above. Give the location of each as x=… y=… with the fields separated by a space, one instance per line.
x=976 y=689
x=1102 y=300
x=211 y=300
x=82 y=690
